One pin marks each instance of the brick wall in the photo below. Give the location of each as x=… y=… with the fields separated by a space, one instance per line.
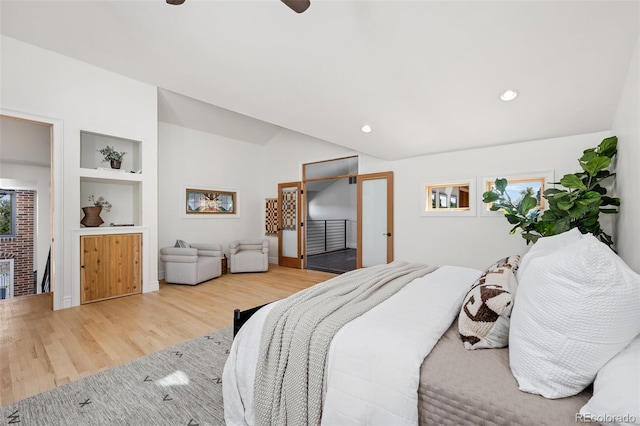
x=20 y=247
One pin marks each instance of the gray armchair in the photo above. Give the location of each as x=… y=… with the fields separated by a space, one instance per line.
x=199 y=263
x=249 y=256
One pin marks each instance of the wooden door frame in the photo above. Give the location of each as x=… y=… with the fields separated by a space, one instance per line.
x=290 y=261
x=373 y=176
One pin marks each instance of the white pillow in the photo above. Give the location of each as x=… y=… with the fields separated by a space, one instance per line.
x=547 y=245
x=616 y=391
x=576 y=308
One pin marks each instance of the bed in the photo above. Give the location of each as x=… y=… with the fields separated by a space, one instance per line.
x=403 y=362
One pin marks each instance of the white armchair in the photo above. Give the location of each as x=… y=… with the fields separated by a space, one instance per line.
x=193 y=265
x=249 y=256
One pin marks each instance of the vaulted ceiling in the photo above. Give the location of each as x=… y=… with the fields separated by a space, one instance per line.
x=425 y=75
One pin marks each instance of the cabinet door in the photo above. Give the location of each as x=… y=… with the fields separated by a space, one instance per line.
x=125 y=271
x=93 y=269
x=111 y=266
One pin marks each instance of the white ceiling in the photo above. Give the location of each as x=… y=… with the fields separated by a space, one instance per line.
x=426 y=75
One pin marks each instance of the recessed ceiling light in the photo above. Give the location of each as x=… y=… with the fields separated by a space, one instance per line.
x=509 y=95
x=366 y=128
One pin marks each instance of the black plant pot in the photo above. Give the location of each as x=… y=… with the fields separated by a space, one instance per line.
x=115 y=164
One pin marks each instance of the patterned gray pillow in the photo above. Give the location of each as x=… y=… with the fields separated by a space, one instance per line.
x=182 y=244
x=484 y=317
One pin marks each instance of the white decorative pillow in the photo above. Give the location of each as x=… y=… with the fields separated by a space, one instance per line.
x=484 y=317
x=616 y=391
x=548 y=245
x=576 y=309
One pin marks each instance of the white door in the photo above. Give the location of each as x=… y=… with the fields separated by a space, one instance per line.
x=375 y=219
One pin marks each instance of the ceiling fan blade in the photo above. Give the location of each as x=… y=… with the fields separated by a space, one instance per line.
x=175 y=2
x=297 y=6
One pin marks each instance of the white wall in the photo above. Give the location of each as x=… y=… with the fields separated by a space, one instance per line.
x=472 y=241
x=626 y=126
x=201 y=160
x=188 y=155
x=83 y=97
x=337 y=201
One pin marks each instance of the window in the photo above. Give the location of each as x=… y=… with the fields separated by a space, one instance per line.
x=531 y=183
x=448 y=198
x=7 y=213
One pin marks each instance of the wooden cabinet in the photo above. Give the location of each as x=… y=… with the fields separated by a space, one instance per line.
x=110 y=266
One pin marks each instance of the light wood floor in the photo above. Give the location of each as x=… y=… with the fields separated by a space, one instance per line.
x=41 y=349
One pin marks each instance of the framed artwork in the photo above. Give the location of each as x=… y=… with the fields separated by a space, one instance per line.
x=533 y=184
x=448 y=198
x=198 y=202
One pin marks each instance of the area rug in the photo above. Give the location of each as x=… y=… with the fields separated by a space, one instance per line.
x=180 y=385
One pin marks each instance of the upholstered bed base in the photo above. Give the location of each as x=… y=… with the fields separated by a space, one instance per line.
x=475 y=387
x=460 y=387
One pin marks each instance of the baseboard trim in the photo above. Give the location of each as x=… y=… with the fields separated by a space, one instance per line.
x=152 y=286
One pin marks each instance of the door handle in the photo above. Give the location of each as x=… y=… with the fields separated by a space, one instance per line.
x=388 y=234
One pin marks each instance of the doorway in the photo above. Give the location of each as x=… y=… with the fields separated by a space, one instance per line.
x=25 y=204
x=330 y=201
x=331 y=231
x=348 y=218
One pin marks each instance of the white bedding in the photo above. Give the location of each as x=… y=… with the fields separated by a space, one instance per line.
x=374 y=361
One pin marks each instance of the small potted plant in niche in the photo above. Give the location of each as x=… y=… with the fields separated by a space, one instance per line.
x=92 y=213
x=113 y=156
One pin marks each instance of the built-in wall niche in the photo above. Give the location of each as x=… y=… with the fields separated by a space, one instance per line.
x=124 y=197
x=91 y=158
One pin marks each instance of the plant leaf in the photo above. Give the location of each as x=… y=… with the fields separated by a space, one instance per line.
x=512 y=218
x=565 y=205
x=552 y=191
x=572 y=181
x=609 y=211
x=501 y=184
x=490 y=197
x=589 y=198
x=596 y=164
x=527 y=203
x=608 y=147
x=610 y=201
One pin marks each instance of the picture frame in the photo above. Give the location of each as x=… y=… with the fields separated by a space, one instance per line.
x=203 y=202
x=535 y=182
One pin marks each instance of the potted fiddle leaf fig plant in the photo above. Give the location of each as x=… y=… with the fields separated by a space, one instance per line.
x=577 y=205
x=112 y=156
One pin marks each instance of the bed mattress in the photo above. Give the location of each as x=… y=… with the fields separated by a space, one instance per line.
x=464 y=387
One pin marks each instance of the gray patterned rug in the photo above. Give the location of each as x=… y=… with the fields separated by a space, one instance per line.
x=180 y=385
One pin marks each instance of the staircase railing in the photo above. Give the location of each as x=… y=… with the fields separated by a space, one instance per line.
x=326 y=235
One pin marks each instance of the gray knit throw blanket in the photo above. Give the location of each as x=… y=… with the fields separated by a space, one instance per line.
x=297 y=333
